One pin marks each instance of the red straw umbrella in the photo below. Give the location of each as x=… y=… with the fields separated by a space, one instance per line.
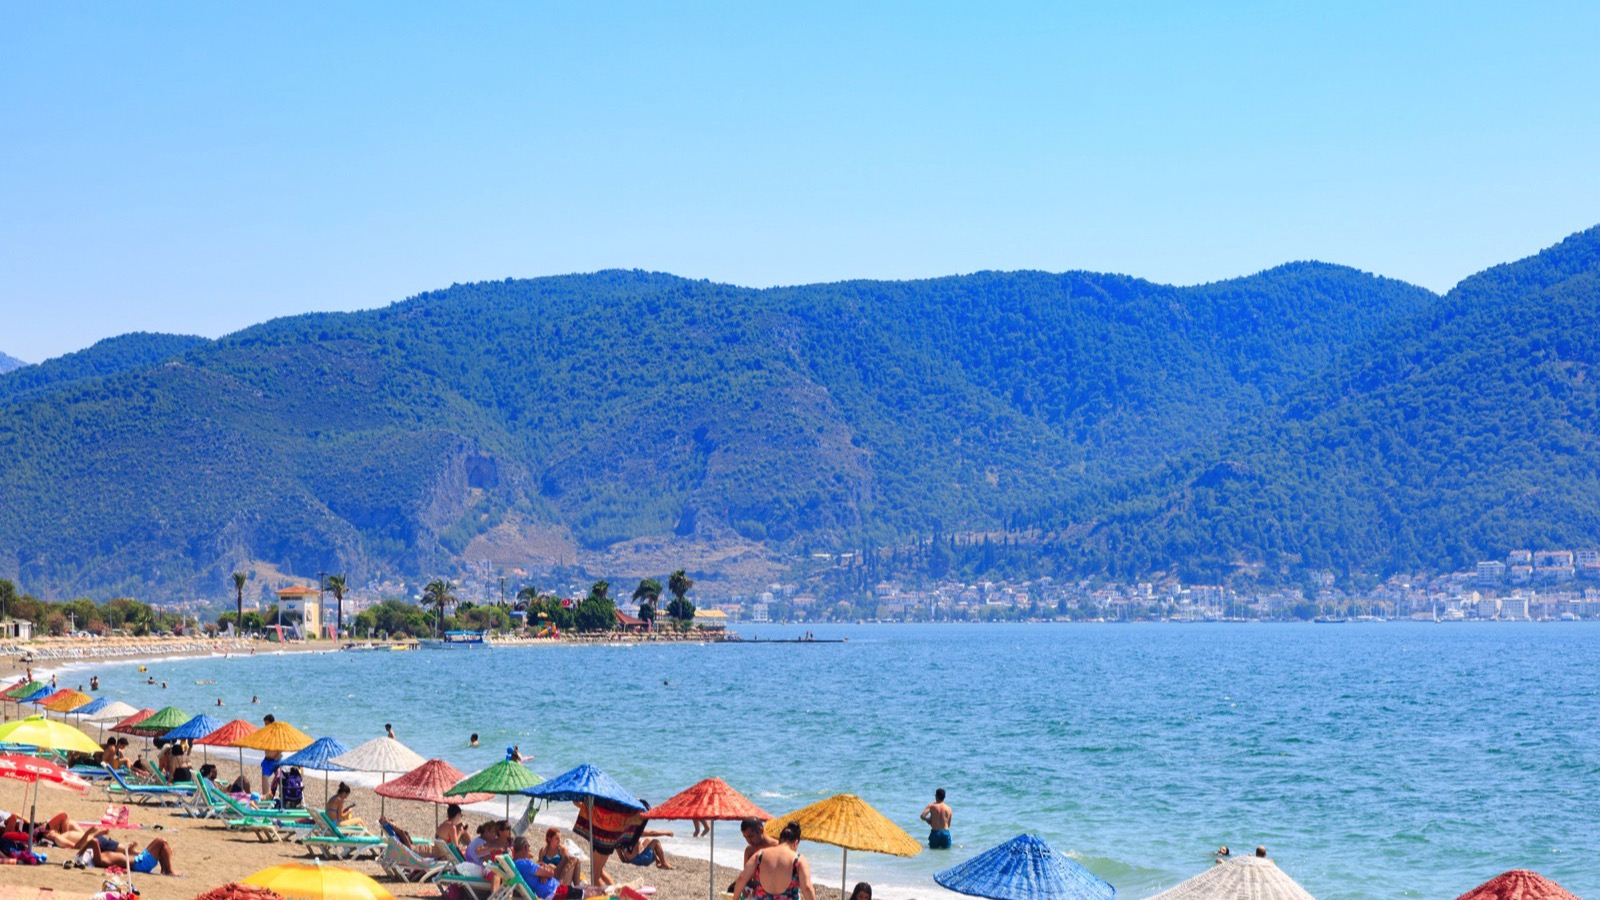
x=1518 y=884
x=30 y=768
x=427 y=784
x=226 y=735
x=710 y=799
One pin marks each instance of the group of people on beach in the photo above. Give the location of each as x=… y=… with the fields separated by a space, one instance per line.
x=90 y=846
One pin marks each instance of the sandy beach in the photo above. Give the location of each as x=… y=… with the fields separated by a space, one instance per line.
x=207 y=855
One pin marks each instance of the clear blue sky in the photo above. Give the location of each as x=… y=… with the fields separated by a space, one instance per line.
x=201 y=167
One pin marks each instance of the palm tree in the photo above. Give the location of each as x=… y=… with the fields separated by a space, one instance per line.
x=680 y=608
x=238 y=590
x=439 y=593
x=646 y=595
x=336 y=586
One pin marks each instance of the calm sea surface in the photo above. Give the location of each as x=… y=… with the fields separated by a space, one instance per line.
x=1399 y=760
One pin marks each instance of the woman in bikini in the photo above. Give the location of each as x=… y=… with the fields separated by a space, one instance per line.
x=777 y=873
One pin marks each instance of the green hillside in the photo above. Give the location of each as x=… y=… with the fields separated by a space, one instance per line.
x=1462 y=432
x=1299 y=417
x=8 y=363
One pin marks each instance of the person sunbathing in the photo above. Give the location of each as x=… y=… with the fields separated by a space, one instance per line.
x=567 y=867
x=157 y=854
x=636 y=852
x=451 y=831
x=63 y=832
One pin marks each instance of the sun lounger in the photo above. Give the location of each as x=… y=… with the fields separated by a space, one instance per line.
x=329 y=841
x=475 y=887
x=142 y=793
x=226 y=806
x=404 y=862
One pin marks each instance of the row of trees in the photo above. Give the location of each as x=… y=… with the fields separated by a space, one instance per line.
x=83 y=614
x=596 y=611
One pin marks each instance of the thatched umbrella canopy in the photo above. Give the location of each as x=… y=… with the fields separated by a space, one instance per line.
x=1240 y=878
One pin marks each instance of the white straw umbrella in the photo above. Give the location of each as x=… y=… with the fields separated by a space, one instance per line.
x=1240 y=878
x=383 y=755
x=115 y=711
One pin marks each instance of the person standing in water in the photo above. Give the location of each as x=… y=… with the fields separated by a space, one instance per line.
x=938 y=814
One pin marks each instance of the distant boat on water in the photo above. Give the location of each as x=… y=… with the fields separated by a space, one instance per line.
x=1330 y=620
x=458 y=640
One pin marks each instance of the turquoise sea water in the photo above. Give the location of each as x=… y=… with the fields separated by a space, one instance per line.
x=1398 y=760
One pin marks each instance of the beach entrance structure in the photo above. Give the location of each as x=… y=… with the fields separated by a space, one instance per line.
x=383 y=755
x=1024 y=868
x=1239 y=878
x=849 y=823
x=427 y=783
x=587 y=784
x=504 y=777
x=711 y=800
x=1518 y=884
x=318 y=757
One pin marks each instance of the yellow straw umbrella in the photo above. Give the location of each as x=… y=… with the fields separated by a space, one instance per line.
x=849 y=823
x=314 y=881
x=280 y=737
x=37 y=731
x=68 y=702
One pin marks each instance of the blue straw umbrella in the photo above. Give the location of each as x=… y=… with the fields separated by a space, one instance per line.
x=586 y=784
x=318 y=757
x=193 y=730
x=1024 y=868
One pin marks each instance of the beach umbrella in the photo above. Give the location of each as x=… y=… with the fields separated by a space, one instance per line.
x=193 y=730
x=21 y=689
x=39 y=694
x=65 y=694
x=30 y=768
x=1024 y=868
x=158 y=723
x=1239 y=878
x=427 y=784
x=318 y=756
x=849 y=823
x=382 y=755
x=587 y=784
x=711 y=800
x=106 y=710
x=1518 y=884
x=225 y=736
x=315 y=881
x=37 y=731
x=505 y=777
x=132 y=720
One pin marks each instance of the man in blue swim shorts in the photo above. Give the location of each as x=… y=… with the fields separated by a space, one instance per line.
x=157 y=855
x=938 y=816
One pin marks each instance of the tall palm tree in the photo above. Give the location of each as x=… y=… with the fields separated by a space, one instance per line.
x=439 y=593
x=336 y=586
x=680 y=608
x=238 y=590
x=646 y=595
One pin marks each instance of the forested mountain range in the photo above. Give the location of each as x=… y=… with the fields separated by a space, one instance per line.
x=1310 y=416
x=7 y=363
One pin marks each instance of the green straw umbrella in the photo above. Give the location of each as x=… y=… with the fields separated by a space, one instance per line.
x=504 y=777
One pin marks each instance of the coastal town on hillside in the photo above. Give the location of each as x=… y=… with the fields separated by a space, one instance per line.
x=1528 y=585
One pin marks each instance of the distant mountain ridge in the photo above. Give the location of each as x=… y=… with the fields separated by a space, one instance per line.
x=1255 y=427
x=8 y=363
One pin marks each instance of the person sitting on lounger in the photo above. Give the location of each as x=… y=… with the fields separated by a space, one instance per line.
x=453 y=830
x=546 y=884
x=339 y=807
x=568 y=868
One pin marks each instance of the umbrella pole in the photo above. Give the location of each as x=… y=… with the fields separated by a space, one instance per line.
x=844 y=866
x=711 y=863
